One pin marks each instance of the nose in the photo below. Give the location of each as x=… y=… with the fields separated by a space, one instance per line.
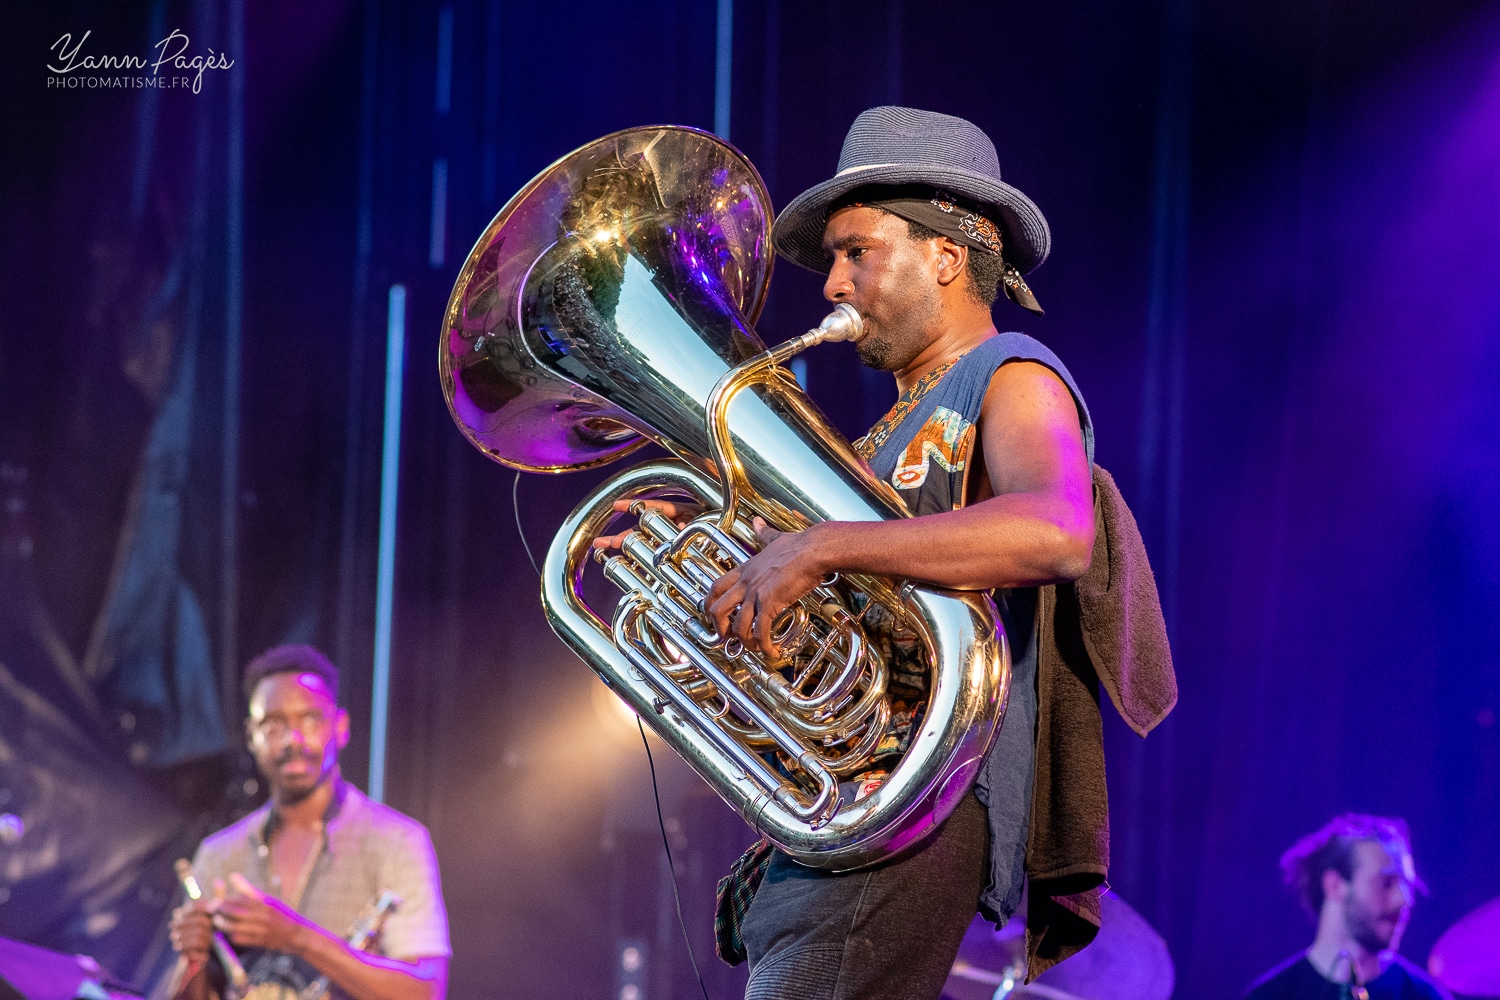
x=837 y=287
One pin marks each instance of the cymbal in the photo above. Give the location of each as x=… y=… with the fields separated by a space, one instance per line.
x=985 y=957
x=1466 y=959
x=1127 y=961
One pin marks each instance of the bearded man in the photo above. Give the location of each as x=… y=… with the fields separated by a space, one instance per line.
x=1356 y=878
x=291 y=880
x=990 y=446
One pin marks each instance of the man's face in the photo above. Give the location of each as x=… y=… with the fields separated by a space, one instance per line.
x=1377 y=898
x=296 y=732
x=889 y=277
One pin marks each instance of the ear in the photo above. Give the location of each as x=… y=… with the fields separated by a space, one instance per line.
x=1335 y=886
x=341 y=728
x=953 y=257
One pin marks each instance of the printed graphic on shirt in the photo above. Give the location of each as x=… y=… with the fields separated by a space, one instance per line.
x=945 y=438
x=877 y=435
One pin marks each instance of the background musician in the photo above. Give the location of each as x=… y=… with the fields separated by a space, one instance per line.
x=1355 y=877
x=287 y=883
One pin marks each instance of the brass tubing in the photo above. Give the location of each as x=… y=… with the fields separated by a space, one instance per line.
x=827 y=800
x=814 y=813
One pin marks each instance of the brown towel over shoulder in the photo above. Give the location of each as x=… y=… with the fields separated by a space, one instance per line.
x=1106 y=626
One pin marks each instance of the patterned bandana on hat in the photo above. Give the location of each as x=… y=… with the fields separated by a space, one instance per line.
x=936 y=170
x=956 y=218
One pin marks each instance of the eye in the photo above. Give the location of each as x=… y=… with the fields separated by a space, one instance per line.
x=855 y=253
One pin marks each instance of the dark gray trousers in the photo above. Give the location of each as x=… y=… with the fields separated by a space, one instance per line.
x=890 y=931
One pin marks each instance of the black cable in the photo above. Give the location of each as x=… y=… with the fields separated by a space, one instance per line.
x=515 y=505
x=670 y=864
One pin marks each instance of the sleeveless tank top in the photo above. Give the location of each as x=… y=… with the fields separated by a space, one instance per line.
x=923 y=447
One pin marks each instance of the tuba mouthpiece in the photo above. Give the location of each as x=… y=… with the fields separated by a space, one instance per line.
x=844 y=323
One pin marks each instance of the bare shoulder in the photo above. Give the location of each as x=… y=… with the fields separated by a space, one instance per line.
x=1020 y=386
x=1031 y=434
x=1027 y=405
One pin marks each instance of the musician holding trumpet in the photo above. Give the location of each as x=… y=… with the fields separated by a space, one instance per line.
x=321 y=890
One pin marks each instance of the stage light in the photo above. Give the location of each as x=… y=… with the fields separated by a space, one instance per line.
x=632 y=975
x=612 y=715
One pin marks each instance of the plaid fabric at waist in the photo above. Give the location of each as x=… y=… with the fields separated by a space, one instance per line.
x=735 y=893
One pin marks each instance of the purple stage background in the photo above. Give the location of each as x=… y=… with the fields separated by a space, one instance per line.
x=1276 y=277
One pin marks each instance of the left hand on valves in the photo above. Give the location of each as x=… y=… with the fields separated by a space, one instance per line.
x=744 y=601
x=252 y=919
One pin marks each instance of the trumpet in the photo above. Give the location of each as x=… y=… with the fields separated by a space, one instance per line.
x=361 y=937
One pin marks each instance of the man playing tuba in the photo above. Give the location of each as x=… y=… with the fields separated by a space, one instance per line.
x=990 y=447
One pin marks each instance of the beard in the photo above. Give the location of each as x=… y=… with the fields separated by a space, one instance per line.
x=899 y=331
x=888 y=350
x=1366 y=926
x=299 y=787
x=884 y=355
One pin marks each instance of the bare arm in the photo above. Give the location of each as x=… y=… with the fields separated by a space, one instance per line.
x=370 y=977
x=1037 y=528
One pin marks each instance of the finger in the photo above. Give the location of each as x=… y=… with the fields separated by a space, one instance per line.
x=722 y=608
x=763 y=641
x=667 y=507
x=191 y=918
x=233 y=910
x=744 y=620
x=764 y=531
x=218 y=889
x=191 y=944
x=239 y=906
x=194 y=937
x=723 y=585
x=610 y=542
x=233 y=925
x=242 y=886
x=239 y=935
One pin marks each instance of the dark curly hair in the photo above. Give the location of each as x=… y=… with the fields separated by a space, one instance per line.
x=290 y=659
x=1332 y=847
x=984 y=269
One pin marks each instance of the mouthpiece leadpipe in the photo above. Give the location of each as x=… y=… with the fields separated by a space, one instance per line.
x=844 y=323
x=238 y=980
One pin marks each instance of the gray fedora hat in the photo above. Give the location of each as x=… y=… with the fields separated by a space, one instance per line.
x=892 y=145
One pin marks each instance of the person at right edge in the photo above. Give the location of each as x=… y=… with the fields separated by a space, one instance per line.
x=990 y=446
x=1356 y=878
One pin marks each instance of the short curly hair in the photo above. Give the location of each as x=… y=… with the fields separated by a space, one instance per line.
x=290 y=659
x=983 y=272
x=1332 y=847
